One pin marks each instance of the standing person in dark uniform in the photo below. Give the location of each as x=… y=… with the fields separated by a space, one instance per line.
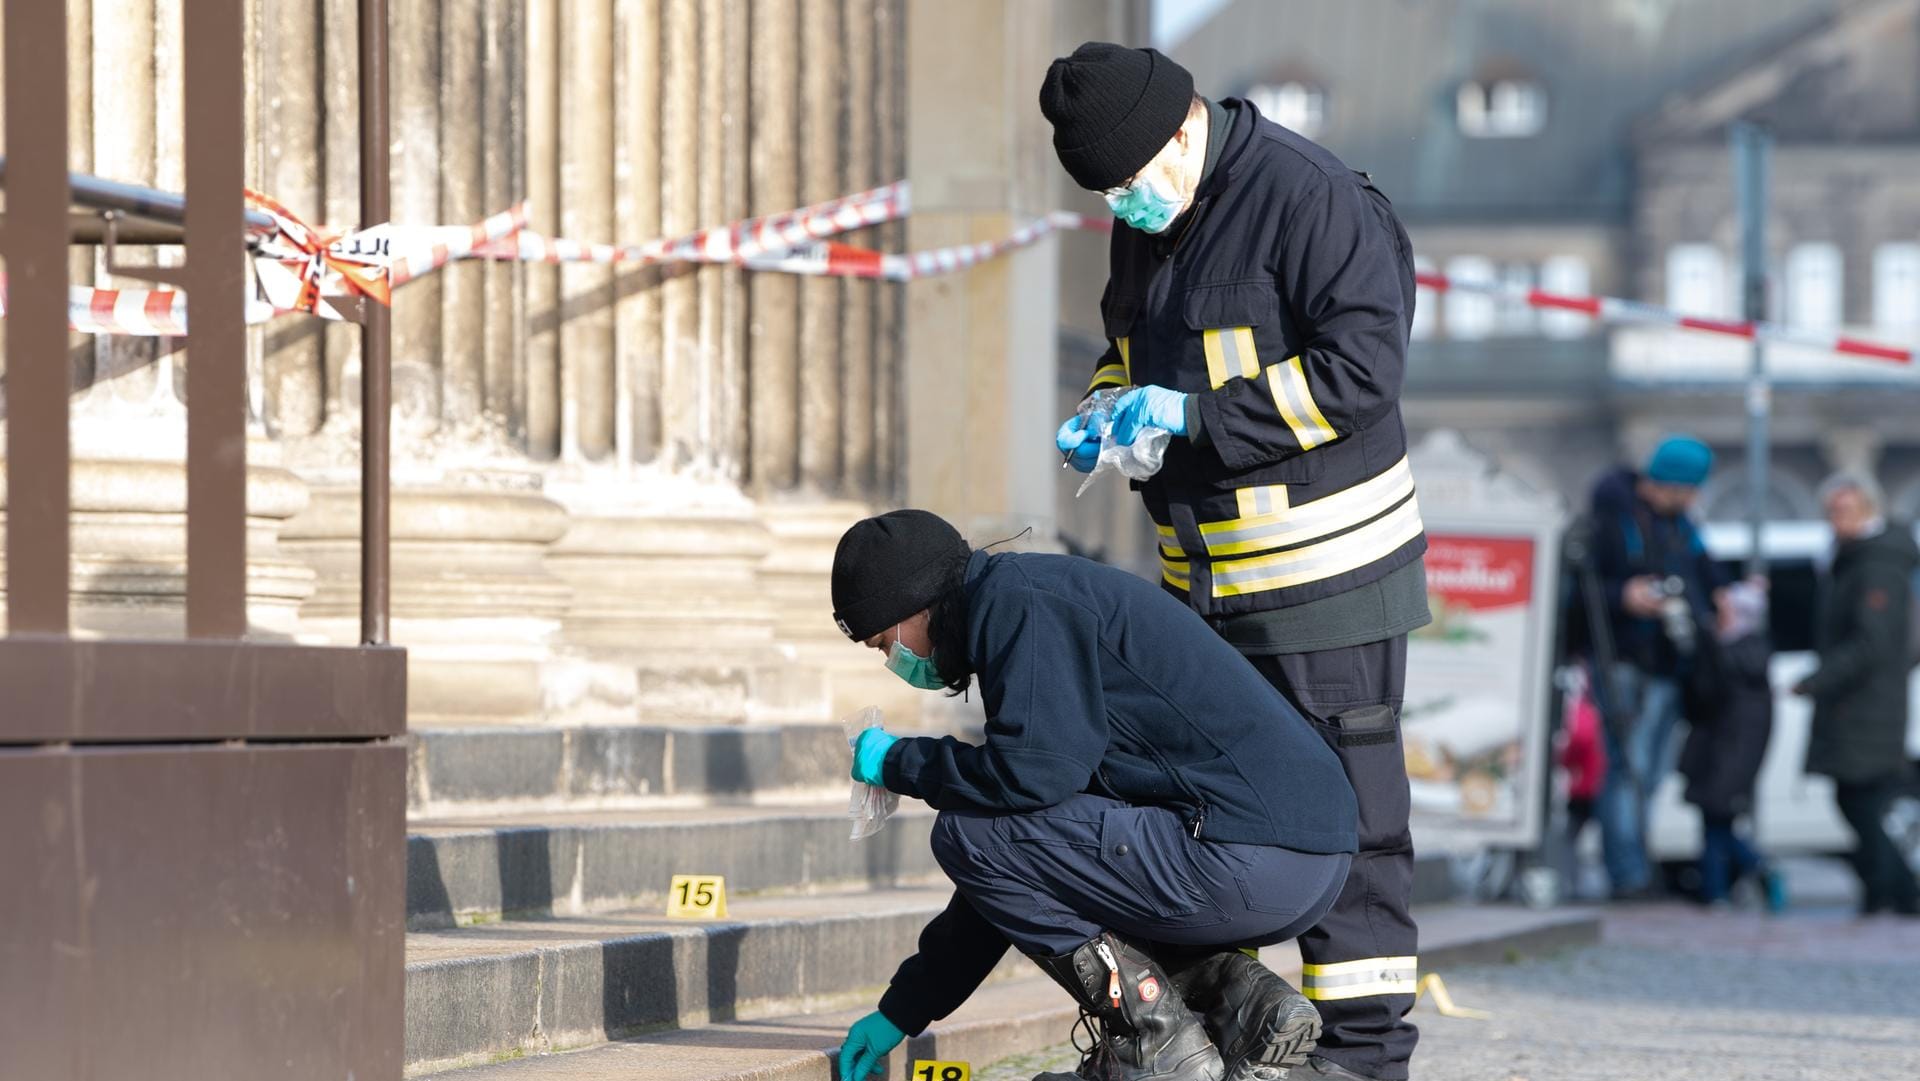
x=1258 y=300
x=1859 y=691
x=1121 y=824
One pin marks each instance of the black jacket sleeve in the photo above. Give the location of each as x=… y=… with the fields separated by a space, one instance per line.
x=1874 y=635
x=1344 y=275
x=958 y=949
x=1046 y=716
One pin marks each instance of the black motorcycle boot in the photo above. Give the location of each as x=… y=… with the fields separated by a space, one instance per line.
x=1148 y=1034
x=1261 y=1024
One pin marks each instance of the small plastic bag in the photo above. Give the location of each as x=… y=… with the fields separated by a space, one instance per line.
x=1137 y=460
x=869 y=804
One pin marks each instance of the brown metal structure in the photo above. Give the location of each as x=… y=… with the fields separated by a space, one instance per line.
x=202 y=842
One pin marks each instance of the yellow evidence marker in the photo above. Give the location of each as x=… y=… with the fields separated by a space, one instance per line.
x=697 y=897
x=929 y=1070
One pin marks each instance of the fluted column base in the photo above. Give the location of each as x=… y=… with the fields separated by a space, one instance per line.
x=472 y=599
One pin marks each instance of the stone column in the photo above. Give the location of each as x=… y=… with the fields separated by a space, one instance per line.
x=504 y=182
x=542 y=379
x=822 y=380
x=772 y=362
x=586 y=213
x=289 y=118
x=862 y=171
x=725 y=83
x=889 y=334
x=685 y=392
x=339 y=32
x=463 y=135
x=417 y=77
x=636 y=215
x=981 y=345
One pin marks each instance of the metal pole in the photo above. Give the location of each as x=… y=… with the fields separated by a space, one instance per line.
x=376 y=341
x=1751 y=151
x=38 y=444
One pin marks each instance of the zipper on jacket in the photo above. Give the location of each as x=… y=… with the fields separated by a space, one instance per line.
x=1199 y=819
x=1113 y=971
x=1200 y=805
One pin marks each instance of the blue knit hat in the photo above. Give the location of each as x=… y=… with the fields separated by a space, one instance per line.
x=1680 y=459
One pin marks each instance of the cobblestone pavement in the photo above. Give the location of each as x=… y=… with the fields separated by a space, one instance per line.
x=1674 y=993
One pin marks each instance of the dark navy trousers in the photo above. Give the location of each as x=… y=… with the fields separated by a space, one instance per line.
x=1051 y=879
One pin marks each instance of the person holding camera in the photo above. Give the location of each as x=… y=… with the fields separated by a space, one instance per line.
x=1659 y=587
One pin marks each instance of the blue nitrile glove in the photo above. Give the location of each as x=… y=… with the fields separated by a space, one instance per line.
x=869 y=753
x=867 y=1042
x=1081 y=447
x=1148 y=407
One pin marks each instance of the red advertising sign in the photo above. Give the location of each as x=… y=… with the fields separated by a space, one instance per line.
x=1480 y=572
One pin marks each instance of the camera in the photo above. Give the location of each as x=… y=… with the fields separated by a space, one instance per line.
x=1676 y=615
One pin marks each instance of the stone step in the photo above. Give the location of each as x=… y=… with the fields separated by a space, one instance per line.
x=466 y=871
x=494 y=991
x=1016 y=1015
x=462 y=771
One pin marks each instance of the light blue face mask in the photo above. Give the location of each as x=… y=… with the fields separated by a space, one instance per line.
x=1144 y=206
x=918 y=671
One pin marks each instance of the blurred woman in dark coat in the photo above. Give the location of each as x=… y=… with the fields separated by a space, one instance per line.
x=1721 y=760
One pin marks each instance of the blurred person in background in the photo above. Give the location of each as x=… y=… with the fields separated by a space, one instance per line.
x=1859 y=692
x=1658 y=583
x=1725 y=745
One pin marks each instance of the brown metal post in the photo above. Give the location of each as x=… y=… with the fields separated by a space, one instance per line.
x=376 y=335
x=216 y=280
x=38 y=443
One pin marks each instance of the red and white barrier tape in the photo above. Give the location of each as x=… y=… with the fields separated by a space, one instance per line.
x=827 y=258
x=1618 y=310
x=738 y=244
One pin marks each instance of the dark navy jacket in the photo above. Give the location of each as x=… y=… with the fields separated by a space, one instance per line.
x=1282 y=303
x=1096 y=681
x=1629 y=540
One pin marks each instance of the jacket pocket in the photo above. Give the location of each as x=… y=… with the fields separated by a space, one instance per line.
x=1367 y=741
x=1146 y=851
x=1230 y=304
x=1118 y=314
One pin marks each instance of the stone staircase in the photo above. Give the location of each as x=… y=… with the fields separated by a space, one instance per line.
x=537 y=948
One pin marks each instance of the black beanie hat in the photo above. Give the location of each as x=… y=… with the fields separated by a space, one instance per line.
x=890 y=567
x=1112 y=109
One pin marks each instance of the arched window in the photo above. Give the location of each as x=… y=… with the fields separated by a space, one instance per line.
x=1896 y=287
x=1295 y=104
x=1697 y=281
x=1509 y=107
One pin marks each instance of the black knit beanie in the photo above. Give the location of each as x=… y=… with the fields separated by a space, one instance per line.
x=1112 y=109
x=890 y=567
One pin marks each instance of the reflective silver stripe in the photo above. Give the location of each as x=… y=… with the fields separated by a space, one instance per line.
x=1350 y=507
x=1324 y=559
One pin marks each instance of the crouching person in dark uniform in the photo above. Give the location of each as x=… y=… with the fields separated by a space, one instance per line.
x=1143 y=806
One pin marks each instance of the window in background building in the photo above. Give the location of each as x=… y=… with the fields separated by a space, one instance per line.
x=1813 y=286
x=1896 y=287
x=1516 y=317
x=1424 y=300
x=1566 y=275
x=1469 y=315
x=1507 y=108
x=1292 y=104
x=1697 y=281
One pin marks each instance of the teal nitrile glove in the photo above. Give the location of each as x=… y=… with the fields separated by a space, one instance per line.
x=867 y=1042
x=1148 y=407
x=1081 y=447
x=869 y=753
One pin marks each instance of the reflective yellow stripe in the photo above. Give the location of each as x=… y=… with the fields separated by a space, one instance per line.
x=1260 y=501
x=1177 y=573
x=1314 y=562
x=1125 y=345
x=1294 y=398
x=1113 y=375
x=1169 y=542
x=1230 y=353
x=1359 y=990
x=1283 y=524
x=1359 y=979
